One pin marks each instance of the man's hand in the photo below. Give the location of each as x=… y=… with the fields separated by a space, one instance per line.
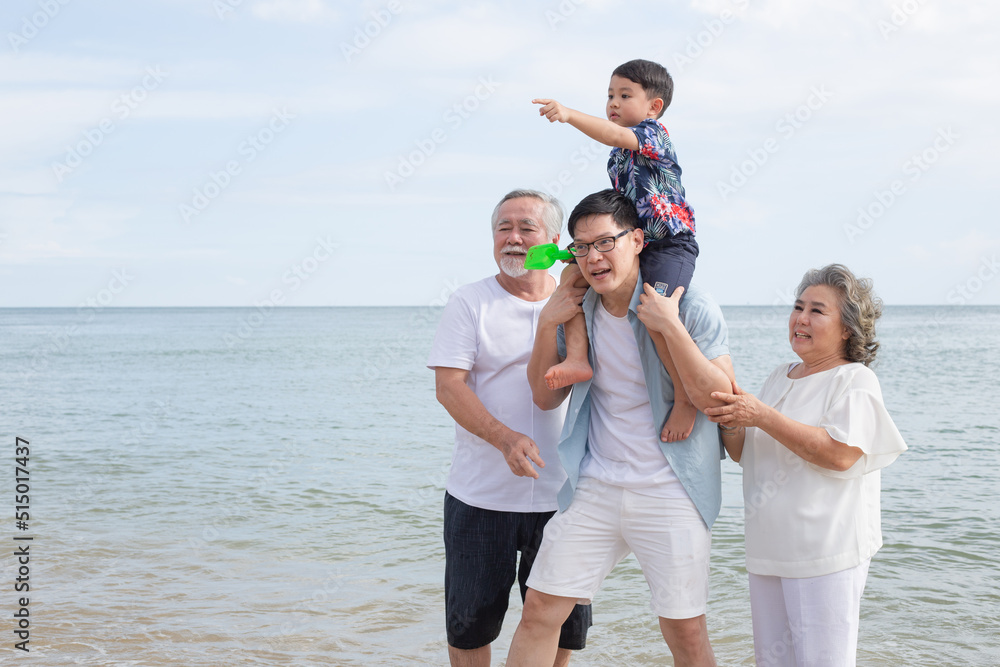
x=657 y=312
x=517 y=450
x=552 y=110
x=564 y=303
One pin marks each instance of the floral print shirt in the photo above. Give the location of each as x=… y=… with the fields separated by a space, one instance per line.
x=651 y=178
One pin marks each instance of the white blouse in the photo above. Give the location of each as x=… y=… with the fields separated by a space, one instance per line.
x=803 y=520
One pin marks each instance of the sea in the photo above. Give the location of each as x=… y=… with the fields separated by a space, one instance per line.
x=227 y=486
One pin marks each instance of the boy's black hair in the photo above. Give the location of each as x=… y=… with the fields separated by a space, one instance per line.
x=609 y=201
x=653 y=77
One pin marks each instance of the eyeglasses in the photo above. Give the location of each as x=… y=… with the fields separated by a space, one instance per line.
x=607 y=244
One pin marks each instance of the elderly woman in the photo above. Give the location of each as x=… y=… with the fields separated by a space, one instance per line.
x=811 y=446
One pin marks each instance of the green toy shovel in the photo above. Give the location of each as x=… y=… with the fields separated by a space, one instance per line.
x=544 y=255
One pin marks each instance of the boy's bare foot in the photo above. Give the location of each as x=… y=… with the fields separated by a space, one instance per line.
x=680 y=422
x=570 y=372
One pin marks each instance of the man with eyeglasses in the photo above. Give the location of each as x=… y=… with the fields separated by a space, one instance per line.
x=479 y=357
x=628 y=490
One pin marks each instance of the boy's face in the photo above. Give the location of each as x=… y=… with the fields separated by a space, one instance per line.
x=628 y=104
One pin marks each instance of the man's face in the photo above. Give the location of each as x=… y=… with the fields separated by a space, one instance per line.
x=608 y=271
x=519 y=226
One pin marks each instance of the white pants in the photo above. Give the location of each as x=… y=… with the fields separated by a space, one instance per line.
x=809 y=622
x=603 y=524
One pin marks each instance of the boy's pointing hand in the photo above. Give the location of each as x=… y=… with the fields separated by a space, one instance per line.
x=552 y=110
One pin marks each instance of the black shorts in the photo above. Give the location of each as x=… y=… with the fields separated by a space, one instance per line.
x=480 y=566
x=669 y=263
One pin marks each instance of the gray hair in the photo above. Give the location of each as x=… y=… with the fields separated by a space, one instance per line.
x=859 y=308
x=552 y=211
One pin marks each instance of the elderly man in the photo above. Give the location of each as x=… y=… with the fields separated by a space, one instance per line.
x=628 y=490
x=497 y=502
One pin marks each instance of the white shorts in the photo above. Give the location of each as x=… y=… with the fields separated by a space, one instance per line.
x=810 y=621
x=603 y=524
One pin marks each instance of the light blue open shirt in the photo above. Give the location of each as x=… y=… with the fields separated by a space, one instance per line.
x=696 y=459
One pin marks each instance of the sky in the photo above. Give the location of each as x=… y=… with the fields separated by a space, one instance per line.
x=316 y=153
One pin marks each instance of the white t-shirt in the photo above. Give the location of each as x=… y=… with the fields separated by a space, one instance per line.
x=803 y=520
x=489 y=332
x=624 y=445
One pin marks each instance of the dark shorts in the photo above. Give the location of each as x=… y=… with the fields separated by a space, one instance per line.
x=480 y=567
x=669 y=263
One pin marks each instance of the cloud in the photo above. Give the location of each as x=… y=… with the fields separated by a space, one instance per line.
x=969 y=249
x=27 y=181
x=393 y=105
x=474 y=37
x=36 y=69
x=59 y=226
x=293 y=11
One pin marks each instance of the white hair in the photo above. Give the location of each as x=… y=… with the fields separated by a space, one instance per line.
x=552 y=211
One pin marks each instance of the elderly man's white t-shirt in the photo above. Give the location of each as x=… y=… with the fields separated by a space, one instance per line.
x=489 y=332
x=624 y=443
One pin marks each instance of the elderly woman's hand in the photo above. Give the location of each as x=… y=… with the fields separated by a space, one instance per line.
x=741 y=409
x=657 y=312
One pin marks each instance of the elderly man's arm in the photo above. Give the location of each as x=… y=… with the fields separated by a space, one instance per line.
x=465 y=408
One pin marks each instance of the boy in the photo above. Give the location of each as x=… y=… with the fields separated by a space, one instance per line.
x=643 y=167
